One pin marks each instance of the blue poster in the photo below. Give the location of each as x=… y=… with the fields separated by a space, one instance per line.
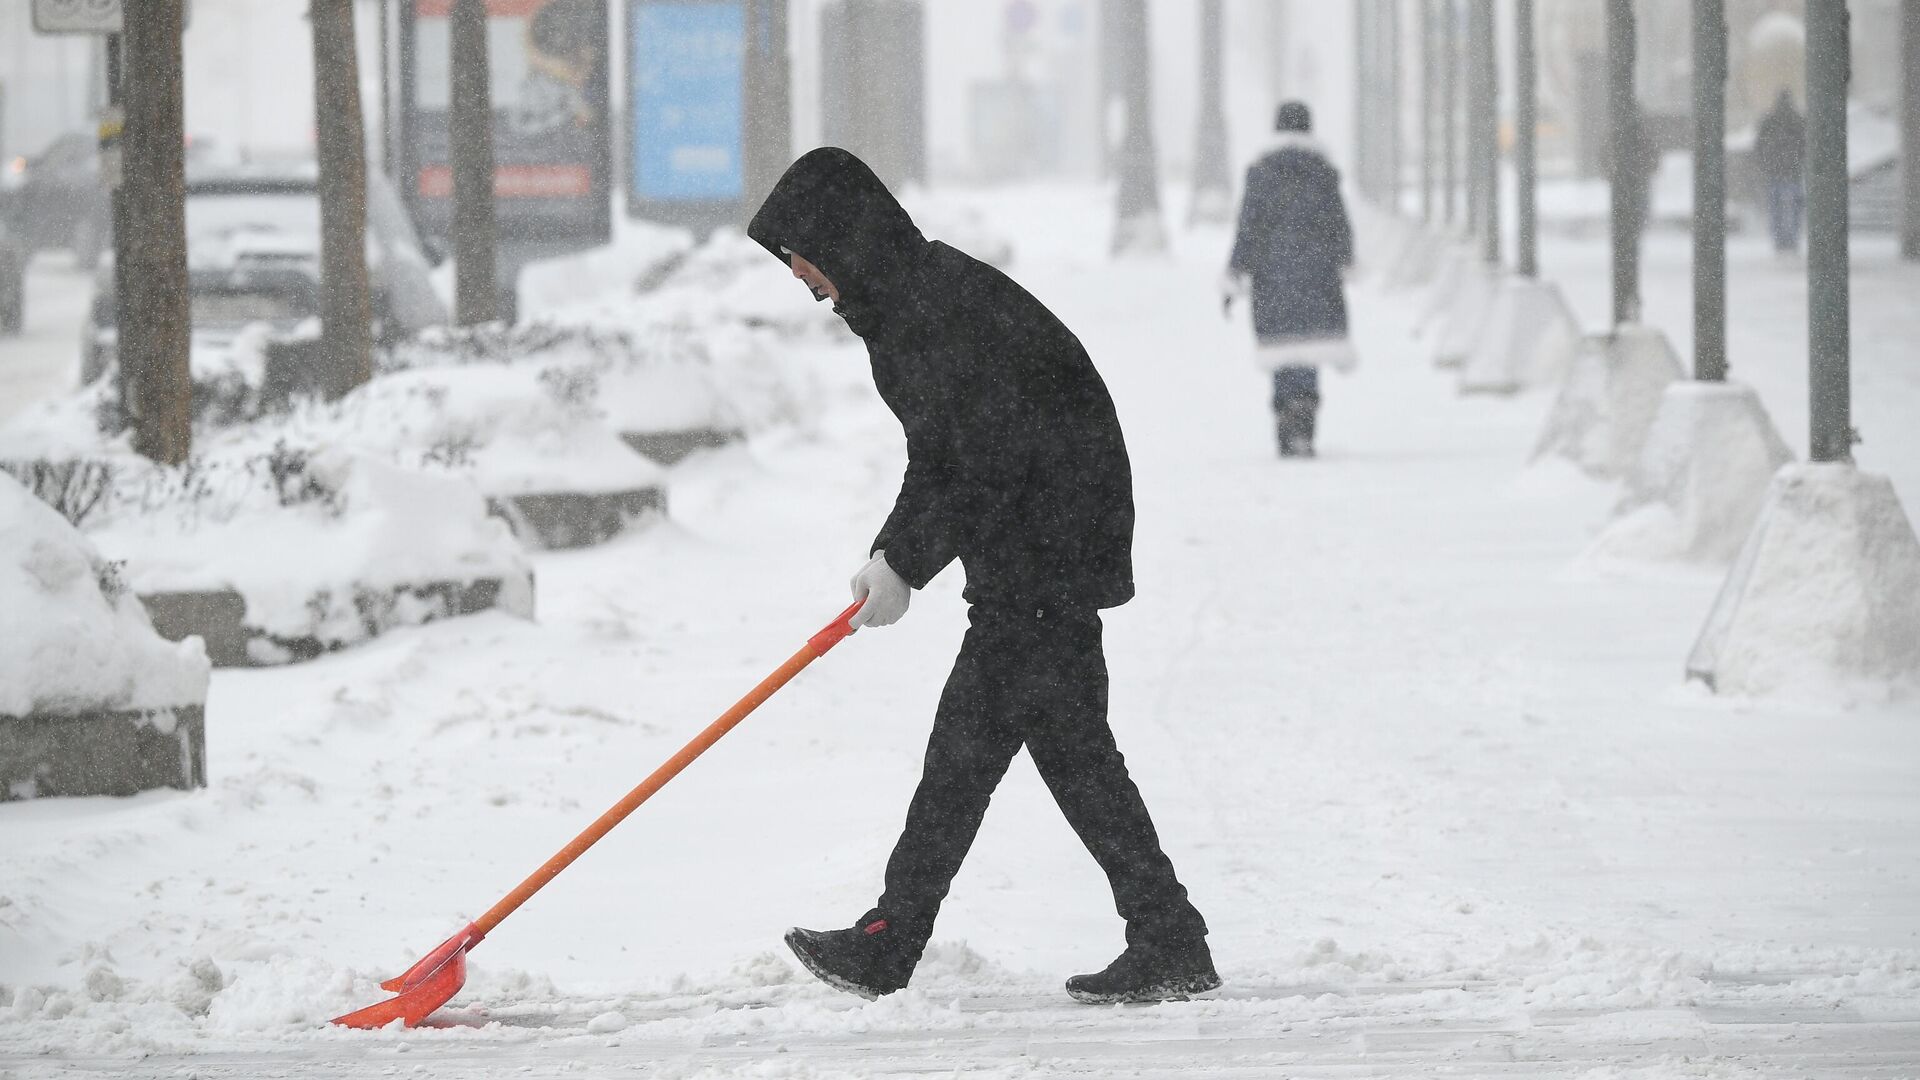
x=685 y=81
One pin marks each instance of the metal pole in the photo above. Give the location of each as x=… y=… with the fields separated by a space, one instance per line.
x=1486 y=124
x=1429 y=46
x=1827 y=287
x=1621 y=126
x=1363 y=98
x=1449 y=108
x=1910 y=129
x=1709 y=190
x=1476 y=201
x=1526 y=121
x=1390 y=107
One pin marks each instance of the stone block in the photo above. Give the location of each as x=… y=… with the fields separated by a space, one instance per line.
x=670 y=447
x=102 y=752
x=219 y=616
x=559 y=520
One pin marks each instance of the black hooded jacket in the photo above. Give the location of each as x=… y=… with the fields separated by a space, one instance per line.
x=1015 y=462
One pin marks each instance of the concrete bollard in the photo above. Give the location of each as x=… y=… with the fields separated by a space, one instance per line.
x=1701 y=477
x=1609 y=399
x=1825 y=593
x=1466 y=318
x=1528 y=341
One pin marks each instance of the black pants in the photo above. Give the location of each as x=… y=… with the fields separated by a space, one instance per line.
x=1039 y=679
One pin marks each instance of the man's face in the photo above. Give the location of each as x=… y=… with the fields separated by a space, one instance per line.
x=815 y=280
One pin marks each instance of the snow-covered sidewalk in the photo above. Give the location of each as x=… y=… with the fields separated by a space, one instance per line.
x=1435 y=783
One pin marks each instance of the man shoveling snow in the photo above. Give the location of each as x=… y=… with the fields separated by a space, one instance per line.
x=1016 y=467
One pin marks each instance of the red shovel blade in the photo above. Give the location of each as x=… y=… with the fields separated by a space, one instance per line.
x=424 y=987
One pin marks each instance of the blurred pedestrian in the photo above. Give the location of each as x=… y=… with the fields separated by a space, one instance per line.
x=1780 y=150
x=1291 y=252
x=1017 y=468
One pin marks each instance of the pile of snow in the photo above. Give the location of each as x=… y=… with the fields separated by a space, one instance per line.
x=321 y=542
x=702 y=340
x=1701 y=477
x=308 y=538
x=671 y=377
x=77 y=639
x=511 y=429
x=1612 y=393
x=638 y=254
x=1529 y=339
x=1826 y=590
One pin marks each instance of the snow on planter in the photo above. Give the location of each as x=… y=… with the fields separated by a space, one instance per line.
x=526 y=435
x=1825 y=594
x=92 y=700
x=322 y=549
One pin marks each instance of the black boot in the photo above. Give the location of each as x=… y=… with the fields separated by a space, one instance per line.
x=870 y=958
x=1293 y=423
x=1149 y=973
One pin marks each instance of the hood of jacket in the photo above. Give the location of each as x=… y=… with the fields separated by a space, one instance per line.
x=830 y=209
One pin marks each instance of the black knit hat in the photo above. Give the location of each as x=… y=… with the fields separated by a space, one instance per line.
x=1293 y=116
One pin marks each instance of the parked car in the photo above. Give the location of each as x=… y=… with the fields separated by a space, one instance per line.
x=58 y=201
x=13 y=281
x=253 y=256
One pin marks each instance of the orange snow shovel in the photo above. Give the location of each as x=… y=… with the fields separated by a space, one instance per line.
x=440 y=974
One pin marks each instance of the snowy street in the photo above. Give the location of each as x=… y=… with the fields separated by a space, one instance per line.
x=1432 y=776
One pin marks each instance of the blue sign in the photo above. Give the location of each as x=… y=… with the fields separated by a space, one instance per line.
x=685 y=100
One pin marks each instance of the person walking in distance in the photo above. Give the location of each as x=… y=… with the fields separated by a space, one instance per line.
x=1780 y=150
x=1017 y=468
x=1291 y=251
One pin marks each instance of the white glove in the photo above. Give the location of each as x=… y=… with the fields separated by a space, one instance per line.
x=885 y=592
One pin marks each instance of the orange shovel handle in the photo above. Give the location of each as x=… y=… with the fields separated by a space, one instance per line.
x=816 y=646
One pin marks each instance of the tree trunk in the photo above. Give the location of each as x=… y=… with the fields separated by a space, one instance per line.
x=346 y=307
x=154 y=323
x=1212 y=175
x=470 y=123
x=768 y=140
x=1137 y=228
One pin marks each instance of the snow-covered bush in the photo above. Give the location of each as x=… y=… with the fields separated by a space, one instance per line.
x=76 y=638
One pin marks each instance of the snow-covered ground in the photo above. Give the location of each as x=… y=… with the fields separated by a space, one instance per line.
x=1434 y=780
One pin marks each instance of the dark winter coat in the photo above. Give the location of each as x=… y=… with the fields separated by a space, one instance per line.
x=1780 y=146
x=1015 y=461
x=1293 y=242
